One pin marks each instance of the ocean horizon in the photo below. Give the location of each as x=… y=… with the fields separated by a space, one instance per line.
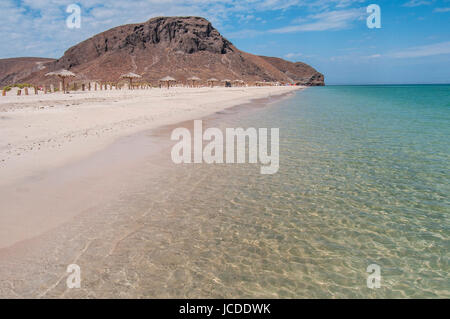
x=389 y=84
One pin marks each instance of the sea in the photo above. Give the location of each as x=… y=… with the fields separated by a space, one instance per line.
x=359 y=208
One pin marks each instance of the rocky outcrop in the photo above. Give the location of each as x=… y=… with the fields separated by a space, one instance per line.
x=180 y=35
x=177 y=46
x=298 y=72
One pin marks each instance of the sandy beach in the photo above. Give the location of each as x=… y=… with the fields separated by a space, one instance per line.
x=42 y=135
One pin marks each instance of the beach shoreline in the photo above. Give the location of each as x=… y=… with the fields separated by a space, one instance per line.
x=55 y=158
x=44 y=132
x=50 y=218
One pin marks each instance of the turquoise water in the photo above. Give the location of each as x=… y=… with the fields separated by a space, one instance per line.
x=364 y=179
x=366 y=171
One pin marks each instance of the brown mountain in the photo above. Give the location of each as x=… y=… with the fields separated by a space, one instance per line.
x=14 y=70
x=177 y=46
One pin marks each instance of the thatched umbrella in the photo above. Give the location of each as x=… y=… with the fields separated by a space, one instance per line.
x=62 y=74
x=212 y=81
x=168 y=80
x=238 y=82
x=130 y=76
x=194 y=79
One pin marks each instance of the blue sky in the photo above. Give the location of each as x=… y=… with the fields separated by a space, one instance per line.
x=412 y=46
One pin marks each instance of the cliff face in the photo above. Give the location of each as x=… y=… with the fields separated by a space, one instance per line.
x=299 y=72
x=177 y=46
x=172 y=35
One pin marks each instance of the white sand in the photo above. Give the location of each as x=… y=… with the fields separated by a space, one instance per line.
x=45 y=133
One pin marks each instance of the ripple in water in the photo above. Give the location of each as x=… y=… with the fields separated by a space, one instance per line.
x=363 y=180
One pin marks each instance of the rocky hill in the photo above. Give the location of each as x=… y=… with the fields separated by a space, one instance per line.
x=177 y=46
x=14 y=70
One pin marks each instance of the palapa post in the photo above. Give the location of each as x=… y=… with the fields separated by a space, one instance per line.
x=194 y=80
x=130 y=76
x=168 y=80
x=238 y=82
x=62 y=74
x=212 y=81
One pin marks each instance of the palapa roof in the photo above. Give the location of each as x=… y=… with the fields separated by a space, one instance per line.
x=194 y=78
x=62 y=73
x=226 y=80
x=130 y=75
x=212 y=80
x=167 y=78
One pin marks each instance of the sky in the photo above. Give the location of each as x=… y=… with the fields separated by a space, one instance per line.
x=412 y=45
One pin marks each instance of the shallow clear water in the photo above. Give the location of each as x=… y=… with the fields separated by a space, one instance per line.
x=363 y=179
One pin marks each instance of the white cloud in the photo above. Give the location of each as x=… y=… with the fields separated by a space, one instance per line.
x=441 y=10
x=416 y=3
x=293 y=55
x=331 y=20
x=423 y=51
x=243 y=34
